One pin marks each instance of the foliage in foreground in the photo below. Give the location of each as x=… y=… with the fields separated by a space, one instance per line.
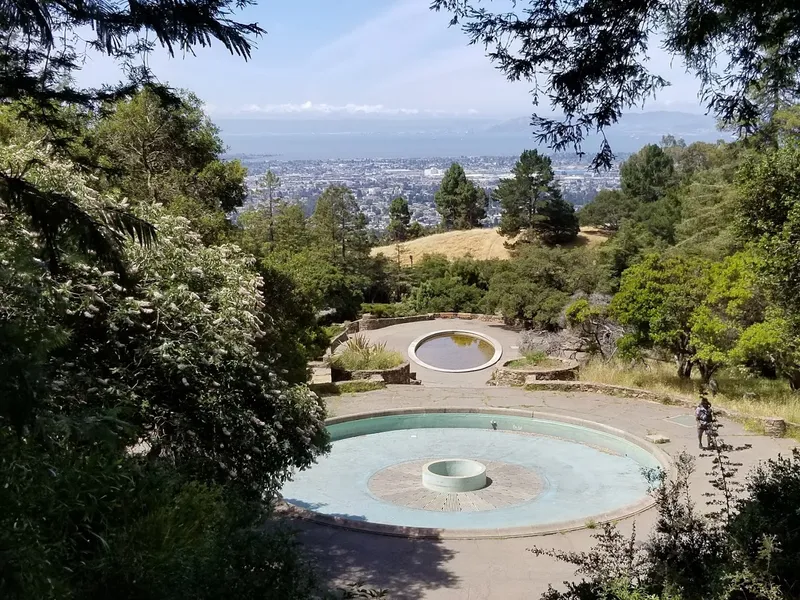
x=80 y=521
x=144 y=424
x=747 y=547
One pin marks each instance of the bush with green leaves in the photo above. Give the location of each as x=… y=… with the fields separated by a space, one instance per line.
x=382 y=311
x=80 y=520
x=178 y=354
x=748 y=548
x=145 y=425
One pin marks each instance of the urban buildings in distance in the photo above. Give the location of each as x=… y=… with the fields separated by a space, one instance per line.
x=375 y=182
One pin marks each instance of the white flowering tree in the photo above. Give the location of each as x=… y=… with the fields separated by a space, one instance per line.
x=170 y=362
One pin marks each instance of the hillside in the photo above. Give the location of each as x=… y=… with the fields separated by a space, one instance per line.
x=482 y=244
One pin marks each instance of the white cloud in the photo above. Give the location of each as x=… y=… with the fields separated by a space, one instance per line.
x=311 y=108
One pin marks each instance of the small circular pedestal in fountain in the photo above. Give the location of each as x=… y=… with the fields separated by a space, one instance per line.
x=454 y=475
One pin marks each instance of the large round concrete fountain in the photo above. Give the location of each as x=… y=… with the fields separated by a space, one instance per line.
x=422 y=472
x=454 y=475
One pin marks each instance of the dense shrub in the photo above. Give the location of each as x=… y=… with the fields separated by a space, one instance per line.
x=748 y=552
x=382 y=311
x=79 y=521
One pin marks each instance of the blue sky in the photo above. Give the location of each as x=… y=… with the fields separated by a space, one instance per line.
x=351 y=57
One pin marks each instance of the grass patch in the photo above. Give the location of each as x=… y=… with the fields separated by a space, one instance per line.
x=358 y=354
x=360 y=385
x=534 y=359
x=591 y=524
x=750 y=396
x=347 y=387
x=333 y=330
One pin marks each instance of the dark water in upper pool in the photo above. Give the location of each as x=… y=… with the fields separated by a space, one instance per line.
x=455 y=351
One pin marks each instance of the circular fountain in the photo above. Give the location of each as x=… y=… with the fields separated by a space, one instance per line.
x=455 y=351
x=454 y=475
x=405 y=472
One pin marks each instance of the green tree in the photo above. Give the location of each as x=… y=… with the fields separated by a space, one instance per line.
x=734 y=302
x=534 y=288
x=769 y=218
x=771 y=345
x=339 y=225
x=647 y=175
x=267 y=191
x=769 y=221
x=531 y=202
x=292 y=233
x=709 y=200
x=169 y=152
x=589 y=59
x=608 y=209
x=461 y=203
x=399 y=220
x=657 y=300
x=60 y=208
x=42 y=49
x=416 y=230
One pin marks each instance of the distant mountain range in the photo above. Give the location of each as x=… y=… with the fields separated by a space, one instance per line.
x=414 y=137
x=659 y=123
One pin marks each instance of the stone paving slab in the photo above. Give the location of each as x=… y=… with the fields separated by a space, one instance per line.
x=504 y=569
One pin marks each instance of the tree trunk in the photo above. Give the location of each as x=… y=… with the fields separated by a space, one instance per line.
x=706 y=370
x=794 y=382
x=684 y=367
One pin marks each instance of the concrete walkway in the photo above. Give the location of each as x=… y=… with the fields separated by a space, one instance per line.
x=503 y=569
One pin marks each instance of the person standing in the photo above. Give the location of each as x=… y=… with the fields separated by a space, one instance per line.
x=705 y=419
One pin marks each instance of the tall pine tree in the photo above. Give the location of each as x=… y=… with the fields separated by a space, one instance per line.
x=461 y=203
x=531 y=202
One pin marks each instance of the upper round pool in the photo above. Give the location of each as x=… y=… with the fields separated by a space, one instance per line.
x=455 y=351
x=541 y=474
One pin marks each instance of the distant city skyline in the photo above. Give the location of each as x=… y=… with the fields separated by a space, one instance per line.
x=361 y=58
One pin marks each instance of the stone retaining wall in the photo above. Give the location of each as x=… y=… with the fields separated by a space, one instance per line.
x=369 y=323
x=396 y=375
x=772 y=426
x=506 y=376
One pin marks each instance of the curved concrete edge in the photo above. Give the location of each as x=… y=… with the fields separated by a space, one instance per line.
x=625 y=512
x=498 y=350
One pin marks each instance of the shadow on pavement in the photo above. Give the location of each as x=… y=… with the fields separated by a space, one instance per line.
x=406 y=568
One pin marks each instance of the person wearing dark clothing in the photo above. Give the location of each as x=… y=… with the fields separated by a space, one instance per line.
x=705 y=418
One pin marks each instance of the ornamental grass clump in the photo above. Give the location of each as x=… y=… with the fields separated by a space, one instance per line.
x=358 y=354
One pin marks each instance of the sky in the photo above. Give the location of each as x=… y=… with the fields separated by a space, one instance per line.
x=360 y=57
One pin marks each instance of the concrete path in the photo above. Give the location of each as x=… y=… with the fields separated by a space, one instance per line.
x=398 y=337
x=502 y=569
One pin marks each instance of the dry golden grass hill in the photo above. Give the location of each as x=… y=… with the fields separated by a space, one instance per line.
x=481 y=244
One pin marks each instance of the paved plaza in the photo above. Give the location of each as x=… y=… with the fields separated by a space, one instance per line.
x=501 y=569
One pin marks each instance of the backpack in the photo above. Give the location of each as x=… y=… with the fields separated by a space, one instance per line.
x=703 y=414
